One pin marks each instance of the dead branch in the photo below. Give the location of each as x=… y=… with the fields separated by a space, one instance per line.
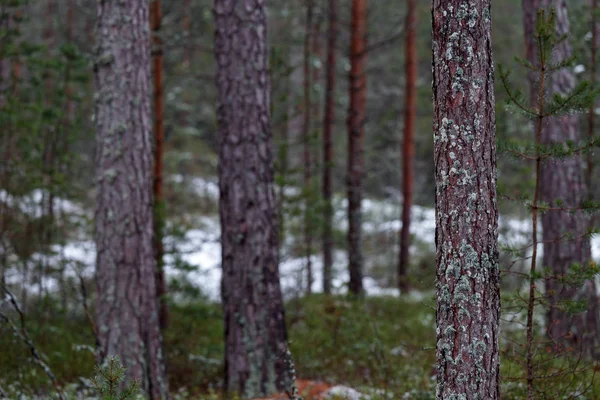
x=22 y=334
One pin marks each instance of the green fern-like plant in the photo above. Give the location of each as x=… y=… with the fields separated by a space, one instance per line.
x=107 y=382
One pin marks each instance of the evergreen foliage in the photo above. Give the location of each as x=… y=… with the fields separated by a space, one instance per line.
x=540 y=358
x=110 y=377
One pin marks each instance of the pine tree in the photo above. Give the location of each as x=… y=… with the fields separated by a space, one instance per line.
x=468 y=291
x=255 y=332
x=356 y=138
x=159 y=139
x=127 y=312
x=567 y=272
x=562 y=181
x=408 y=148
x=306 y=141
x=328 y=158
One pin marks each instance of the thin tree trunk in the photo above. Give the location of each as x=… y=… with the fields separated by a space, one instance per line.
x=306 y=133
x=16 y=65
x=408 y=148
x=66 y=120
x=564 y=179
x=356 y=121
x=283 y=145
x=187 y=27
x=159 y=141
x=329 y=121
x=127 y=311
x=49 y=35
x=50 y=152
x=255 y=333
x=541 y=91
x=592 y=111
x=468 y=278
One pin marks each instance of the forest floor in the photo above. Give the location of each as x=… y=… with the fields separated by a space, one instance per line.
x=377 y=348
x=344 y=346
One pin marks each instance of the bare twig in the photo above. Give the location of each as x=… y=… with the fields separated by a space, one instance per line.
x=384 y=42
x=84 y=301
x=22 y=334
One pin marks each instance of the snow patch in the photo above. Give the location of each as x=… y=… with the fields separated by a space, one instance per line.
x=30 y=203
x=345 y=392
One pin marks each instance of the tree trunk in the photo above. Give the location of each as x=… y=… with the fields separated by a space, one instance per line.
x=356 y=121
x=283 y=144
x=328 y=148
x=408 y=148
x=306 y=130
x=187 y=27
x=563 y=179
x=468 y=292
x=255 y=333
x=159 y=140
x=592 y=111
x=127 y=307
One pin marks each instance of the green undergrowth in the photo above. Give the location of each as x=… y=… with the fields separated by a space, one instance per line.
x=383 y=346
x=380 y=344
x=374 y=344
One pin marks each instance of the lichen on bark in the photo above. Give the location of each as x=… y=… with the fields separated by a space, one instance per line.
x=126 y=312
x=255 y=334
x=468 y=301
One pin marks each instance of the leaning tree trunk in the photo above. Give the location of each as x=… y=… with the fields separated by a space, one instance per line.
x=329 y=121
x=468 y=292
x=408 y=147
x=255 y=334
x=127 y=306
x=564 y=180
x=356 y=121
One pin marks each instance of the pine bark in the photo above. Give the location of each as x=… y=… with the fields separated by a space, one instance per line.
x=356 y=121
x=468 y=294
x=306 y=141
x=329 y=121
x=563 y=179
x=255 y=333
x=127 y=307
x=159 y=141
x=408 y=148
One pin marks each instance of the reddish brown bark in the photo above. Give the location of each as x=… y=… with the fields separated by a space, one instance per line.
x=159 y=141
x=329 y=121
x=356 y=121
x=408 y=148
x=467 y=274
